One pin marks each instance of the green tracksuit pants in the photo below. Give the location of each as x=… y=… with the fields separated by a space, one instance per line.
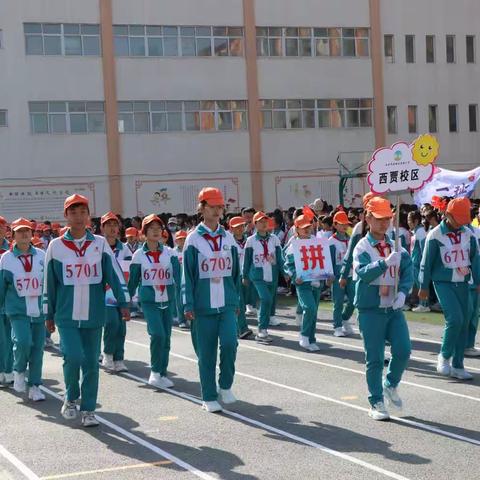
x=308 y=299
x=473 y=321
x=251 y=297
x=242 y=325
x=6 y=345
x=159 y=327
x=377 y=327
x=114 y=334
x=342 y=311
x=81 y=348
x=207 y=332
x=28 y=342
x=266 y=292
x=454 y=299
x=178 y=300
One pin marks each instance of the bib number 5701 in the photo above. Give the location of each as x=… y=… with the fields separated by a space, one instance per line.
x=81 y=270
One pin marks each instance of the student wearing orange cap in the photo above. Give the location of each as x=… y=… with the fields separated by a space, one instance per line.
x=380 y=315
x=237 y=226
x=115 y=329
x=131 y=234
x=78 y=267
x=21 y=279
x=451 y=259
x=308 y=292
x=6 y=345
x=342 y=312
x=211 y=293
x=155 y=271
x=180 y=238
x=262 y=263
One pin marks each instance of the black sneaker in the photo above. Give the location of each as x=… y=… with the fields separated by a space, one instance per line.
x=247 y=333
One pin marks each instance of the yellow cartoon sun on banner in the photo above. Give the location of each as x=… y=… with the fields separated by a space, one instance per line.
x=425 y=149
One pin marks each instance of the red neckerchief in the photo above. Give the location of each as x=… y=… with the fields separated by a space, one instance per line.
x=80 y=252
x=241 y=242
x=455 y=237
x=383 y=248
x=214 y=240
x=340 y=240
x=27 y=261
x=265 y=247
x=155 y=256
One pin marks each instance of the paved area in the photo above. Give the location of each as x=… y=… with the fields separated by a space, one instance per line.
x=300 y=416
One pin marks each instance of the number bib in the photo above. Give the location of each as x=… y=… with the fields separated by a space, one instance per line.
x=156 y=274
x=388 y=277
x=82 y=271
x=28 y=284
x=455 y=256
x=218 y=265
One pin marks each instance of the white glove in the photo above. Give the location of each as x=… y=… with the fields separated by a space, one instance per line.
x=393 y=259
x=399 y=301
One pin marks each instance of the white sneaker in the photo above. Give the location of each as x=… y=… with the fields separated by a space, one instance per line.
x=35 y=394
x=472 y=352
x=263 y=336
x=69 y=410
x=119 y=366
x=133 y=314
x=167 y=383
x=304 y=342
x=156 y=380
x=212 y=407
x=250 y=310
x=107 y=362
x=19 y=384
x=226 y=396
x=274 y=322
x=421 y=309
x=379 y=412
x=443 y=365
x=406 y=308
x=347 y=328
x=89 y=420
x=338 y=332
x=298 y=319
x=392 y=397
x=460 y=374
x=313 y=347
x=8 y=378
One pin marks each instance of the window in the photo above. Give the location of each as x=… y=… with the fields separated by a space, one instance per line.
x=452 y=118
x=67 y=117
x=412 y=119
x=1 y=38
x=3 y=118
x=311 y=42
x=70 y=39
x=176 y=116
x=310 y=113
x=410 y=48
x=174 y=41
x=430 y=48
x=450 y=47
x=473 y=117
x=388 y=48
x=432 y=118
x=470 y=43
x=392 y=120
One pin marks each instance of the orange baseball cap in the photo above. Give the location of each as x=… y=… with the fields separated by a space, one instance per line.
x=259 y=216
x=21 y=223
x=181 y=234
x=213 y=196
x=341 y=217
x=236 y=222
x=37 y=242
x=131 y=232
x=303 y=221
x=45 y=226
x=149 y=219
x=74 y=199
x=379 y=207
x=459 y=209
x=3 y=221
x=366 y=198
x=109 y=216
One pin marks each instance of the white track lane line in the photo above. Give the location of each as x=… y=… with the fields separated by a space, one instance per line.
x=142 y=442
x=278 y=431
x=419 y=425
x=18 y=464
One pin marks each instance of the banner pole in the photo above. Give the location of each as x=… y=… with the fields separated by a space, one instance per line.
x=397 y=240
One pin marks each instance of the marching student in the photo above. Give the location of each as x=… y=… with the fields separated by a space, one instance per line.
x=115 y=329
x=132 y=243
x=6 y=345
x=450 y=259
x=180 y=238
x=342 y=312
x=261 y=265
x=470 y=350
x=78 y=267
x=155 y=271
x=381 y=319
x=308 y=292
x=237 y=229
x=21 y=281
x=211 y=293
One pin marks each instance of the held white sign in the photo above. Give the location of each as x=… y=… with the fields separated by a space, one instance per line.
x=312 y=259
